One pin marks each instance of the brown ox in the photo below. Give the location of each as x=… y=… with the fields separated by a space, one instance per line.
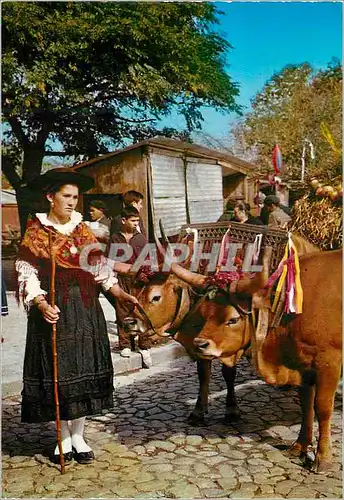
x=170 y=305
x=307 y=352
x=167 y=302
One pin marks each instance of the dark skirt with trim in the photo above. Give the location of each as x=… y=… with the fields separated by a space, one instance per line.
x=85 y=372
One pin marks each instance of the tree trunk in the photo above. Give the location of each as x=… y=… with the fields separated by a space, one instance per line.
x=29 y=202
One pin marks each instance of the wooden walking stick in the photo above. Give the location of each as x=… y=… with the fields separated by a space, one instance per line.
x=54 y=349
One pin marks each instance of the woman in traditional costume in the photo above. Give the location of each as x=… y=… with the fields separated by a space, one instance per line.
x=85 y=372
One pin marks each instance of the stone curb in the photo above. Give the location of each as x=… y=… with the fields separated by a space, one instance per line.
x=159 y=355
x=121 y=365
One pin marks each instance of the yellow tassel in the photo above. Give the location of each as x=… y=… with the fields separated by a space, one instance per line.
x=298 y=286
x=281 y=280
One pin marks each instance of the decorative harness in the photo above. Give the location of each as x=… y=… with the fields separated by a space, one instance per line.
x=224 y=282
x=172 y=330
x=208 y=293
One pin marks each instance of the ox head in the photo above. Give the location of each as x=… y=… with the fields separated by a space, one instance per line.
x=226 y=325
x=164 y=301
x=163 y=297
x=226 y=329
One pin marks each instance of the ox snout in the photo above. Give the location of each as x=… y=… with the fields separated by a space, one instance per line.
x=201 y=343
x=134 y=326
x=206 y=348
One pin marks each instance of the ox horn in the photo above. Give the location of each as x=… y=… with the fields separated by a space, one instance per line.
x=159 y=246
x=164 y=240
x=163 y=234
x=252 y=286
x=193 y=279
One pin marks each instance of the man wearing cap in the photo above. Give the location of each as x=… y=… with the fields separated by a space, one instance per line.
x=100 y=224
x=98 y=210
x=278 y=218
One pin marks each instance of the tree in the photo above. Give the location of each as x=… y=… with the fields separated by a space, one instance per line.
x=291 y=109
x=95 y=75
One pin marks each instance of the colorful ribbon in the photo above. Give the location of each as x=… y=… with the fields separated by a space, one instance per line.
x=288 y=272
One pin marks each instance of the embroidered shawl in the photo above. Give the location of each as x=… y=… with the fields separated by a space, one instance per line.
x=35 y=245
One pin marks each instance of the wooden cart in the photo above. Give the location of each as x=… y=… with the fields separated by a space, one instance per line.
x=208 y=234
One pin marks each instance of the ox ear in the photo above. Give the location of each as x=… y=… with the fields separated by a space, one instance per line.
x=251 y=286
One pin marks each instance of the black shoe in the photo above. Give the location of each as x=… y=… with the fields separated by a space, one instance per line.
x=84 y=457
x=68 y=458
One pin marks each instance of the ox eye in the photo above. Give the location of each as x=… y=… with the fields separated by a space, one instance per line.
x=155 y=299
x=233 y=321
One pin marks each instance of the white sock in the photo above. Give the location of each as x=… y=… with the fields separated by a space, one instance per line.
x=78 y=435
x=65 y=438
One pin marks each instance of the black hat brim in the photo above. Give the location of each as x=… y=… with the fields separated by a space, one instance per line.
x=54 y=179
x=271 y=200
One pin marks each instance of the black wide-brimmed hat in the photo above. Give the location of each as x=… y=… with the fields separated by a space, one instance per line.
x=57 y=177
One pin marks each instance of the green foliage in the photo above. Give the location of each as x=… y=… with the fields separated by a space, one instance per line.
x=93 y=75
x=290 y=109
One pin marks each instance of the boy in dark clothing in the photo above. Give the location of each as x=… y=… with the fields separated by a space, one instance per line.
x=129 y=235
x=130 y=199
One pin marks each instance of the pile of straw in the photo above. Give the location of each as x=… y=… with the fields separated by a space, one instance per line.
x=319 y=221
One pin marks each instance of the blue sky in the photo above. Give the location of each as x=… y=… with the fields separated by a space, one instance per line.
x=266 y=36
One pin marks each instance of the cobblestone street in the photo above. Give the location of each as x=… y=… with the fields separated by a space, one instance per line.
x=171 y=244
x=145 y=448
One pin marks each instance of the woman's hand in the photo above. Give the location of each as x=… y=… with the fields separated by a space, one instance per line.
x=120 y=294
x=50 y=314
x=130 y=298
x=122 y=268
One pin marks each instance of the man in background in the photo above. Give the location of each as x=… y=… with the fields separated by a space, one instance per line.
x=242 y=214
x=130 y=199
x=98 y=211
x=100 y=224
x=278 y=218
x=228 y=214
x=128 y=234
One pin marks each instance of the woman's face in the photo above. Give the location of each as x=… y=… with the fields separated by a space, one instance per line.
x=64 y=201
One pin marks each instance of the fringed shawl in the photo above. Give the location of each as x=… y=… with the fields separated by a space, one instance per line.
x=35 y=250
x=35 y=245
